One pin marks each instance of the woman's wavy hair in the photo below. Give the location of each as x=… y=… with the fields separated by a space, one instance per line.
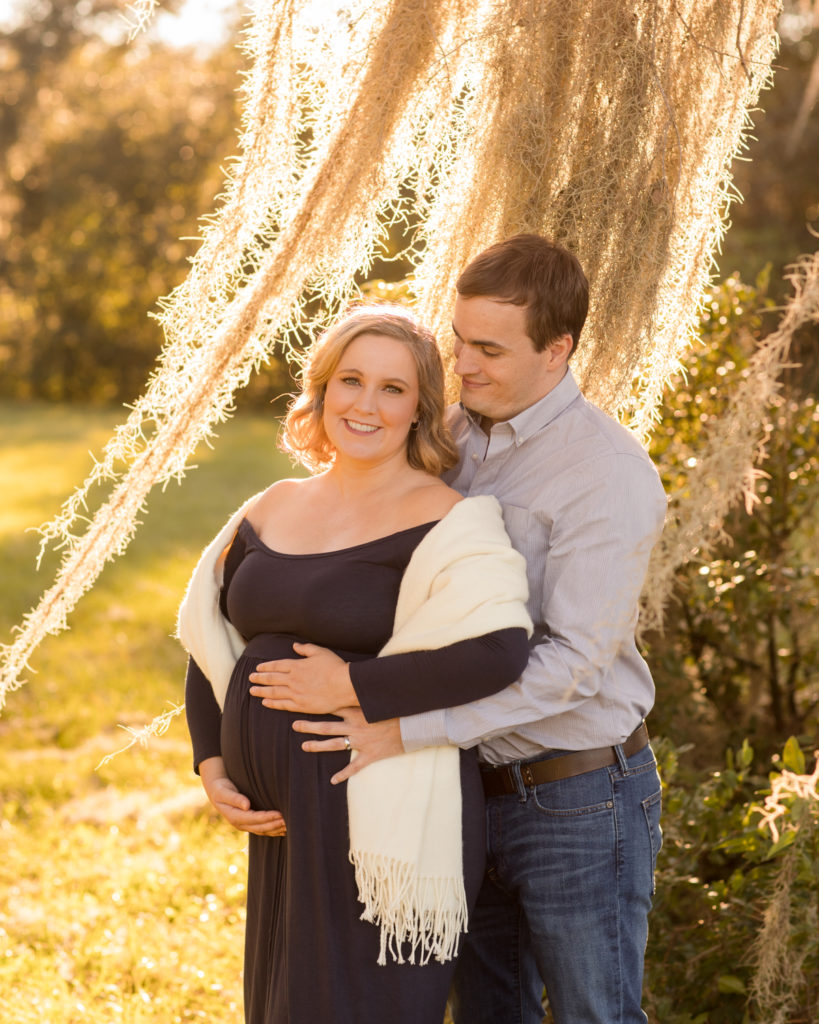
x=430 y=446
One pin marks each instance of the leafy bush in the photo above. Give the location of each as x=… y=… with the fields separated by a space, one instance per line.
x=734 y=933
x=740 y=652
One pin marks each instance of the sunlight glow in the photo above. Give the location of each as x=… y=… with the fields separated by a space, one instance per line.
x=197 y=23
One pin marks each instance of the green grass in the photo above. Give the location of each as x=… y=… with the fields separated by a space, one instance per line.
x=122 y=895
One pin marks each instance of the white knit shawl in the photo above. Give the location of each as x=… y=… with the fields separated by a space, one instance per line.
x=464 y=579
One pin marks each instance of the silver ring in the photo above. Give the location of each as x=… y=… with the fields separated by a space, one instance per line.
x=347 y=744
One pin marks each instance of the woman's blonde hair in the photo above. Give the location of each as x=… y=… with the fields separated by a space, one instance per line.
x=429 y=444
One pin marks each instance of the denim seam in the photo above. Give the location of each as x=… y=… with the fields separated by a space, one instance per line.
x=618 y=882
x=518 y=961
x=647 y=804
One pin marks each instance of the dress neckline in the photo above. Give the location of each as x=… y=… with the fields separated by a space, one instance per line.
x=336 y=551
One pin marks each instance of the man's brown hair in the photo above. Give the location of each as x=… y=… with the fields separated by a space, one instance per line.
x=535 y=272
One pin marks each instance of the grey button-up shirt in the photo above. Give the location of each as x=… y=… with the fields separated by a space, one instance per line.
x=583 y=503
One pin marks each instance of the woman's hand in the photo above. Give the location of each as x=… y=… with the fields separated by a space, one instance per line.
x=317 y=683
x=233 y=805
x=371 y=742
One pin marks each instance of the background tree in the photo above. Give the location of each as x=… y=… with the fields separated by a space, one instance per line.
x=777 y=181
x=113 y=150
x=135 y=136
x=778 y=215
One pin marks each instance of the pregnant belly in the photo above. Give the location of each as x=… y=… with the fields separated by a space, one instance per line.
x=262 y=753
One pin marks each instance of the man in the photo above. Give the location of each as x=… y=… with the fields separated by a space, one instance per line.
x=572 y=793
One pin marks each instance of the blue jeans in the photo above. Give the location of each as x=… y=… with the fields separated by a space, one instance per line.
x=565 y=900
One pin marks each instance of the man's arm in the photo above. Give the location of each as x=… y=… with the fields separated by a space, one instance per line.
x=598 y=553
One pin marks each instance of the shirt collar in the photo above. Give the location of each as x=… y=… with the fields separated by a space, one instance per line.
x=539 y=415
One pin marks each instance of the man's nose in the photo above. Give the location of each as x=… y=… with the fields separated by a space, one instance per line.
x=465 y=362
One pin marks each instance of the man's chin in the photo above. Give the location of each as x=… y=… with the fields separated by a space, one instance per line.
x=485 y=411
x=472 y=401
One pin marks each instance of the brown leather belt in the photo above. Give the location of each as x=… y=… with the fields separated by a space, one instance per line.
x=501 y=779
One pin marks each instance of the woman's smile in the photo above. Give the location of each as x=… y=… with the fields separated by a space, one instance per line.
x=360 y=428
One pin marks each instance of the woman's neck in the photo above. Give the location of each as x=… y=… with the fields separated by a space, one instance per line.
x=356 y=480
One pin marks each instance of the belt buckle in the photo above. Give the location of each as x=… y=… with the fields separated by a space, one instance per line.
x=526 y=775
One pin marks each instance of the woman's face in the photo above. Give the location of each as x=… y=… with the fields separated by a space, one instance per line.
x=371 y=400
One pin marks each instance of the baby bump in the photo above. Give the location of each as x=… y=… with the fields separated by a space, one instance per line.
x=260 y=749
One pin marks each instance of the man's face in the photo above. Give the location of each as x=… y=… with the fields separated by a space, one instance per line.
x=501 y=373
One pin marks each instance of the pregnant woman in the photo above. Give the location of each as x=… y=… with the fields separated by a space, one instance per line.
x=354 y=905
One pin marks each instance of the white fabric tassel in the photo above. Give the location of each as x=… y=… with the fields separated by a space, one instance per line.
x=428 y=914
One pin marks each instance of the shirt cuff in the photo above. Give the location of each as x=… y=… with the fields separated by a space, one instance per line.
x=424 y=730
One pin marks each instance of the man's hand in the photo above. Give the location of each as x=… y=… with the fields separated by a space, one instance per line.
x=233 y=805
x=370 y=742
x=318 y=683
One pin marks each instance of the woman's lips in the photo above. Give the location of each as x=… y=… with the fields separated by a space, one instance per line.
x=357 y=427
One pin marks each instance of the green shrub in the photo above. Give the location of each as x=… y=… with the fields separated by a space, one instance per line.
x=739 y=655
x=734 y=933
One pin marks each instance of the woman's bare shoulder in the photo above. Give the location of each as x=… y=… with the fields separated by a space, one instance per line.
x=433 y=499
x=278 y=496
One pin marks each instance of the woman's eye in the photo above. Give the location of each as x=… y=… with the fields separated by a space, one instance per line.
x=393 y=390
x=349 y=380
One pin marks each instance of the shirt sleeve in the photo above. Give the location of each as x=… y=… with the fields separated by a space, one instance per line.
x=600 y=540
x=418 y=681
x=202 y=710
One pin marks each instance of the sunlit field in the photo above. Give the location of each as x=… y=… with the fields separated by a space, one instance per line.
x=122 y=896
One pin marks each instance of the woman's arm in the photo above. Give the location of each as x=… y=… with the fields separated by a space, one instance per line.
x=320 y=683
x=204 y=723
x=468 y=581
x=201 y=708
x=203 y=715
x=407 y=684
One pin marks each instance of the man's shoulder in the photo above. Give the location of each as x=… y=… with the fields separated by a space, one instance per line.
x=614 y=438
x=590 y=451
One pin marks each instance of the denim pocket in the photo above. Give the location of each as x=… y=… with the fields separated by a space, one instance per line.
x=589 y=793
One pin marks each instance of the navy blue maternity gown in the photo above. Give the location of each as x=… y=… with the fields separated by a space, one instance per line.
x=309 y=959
